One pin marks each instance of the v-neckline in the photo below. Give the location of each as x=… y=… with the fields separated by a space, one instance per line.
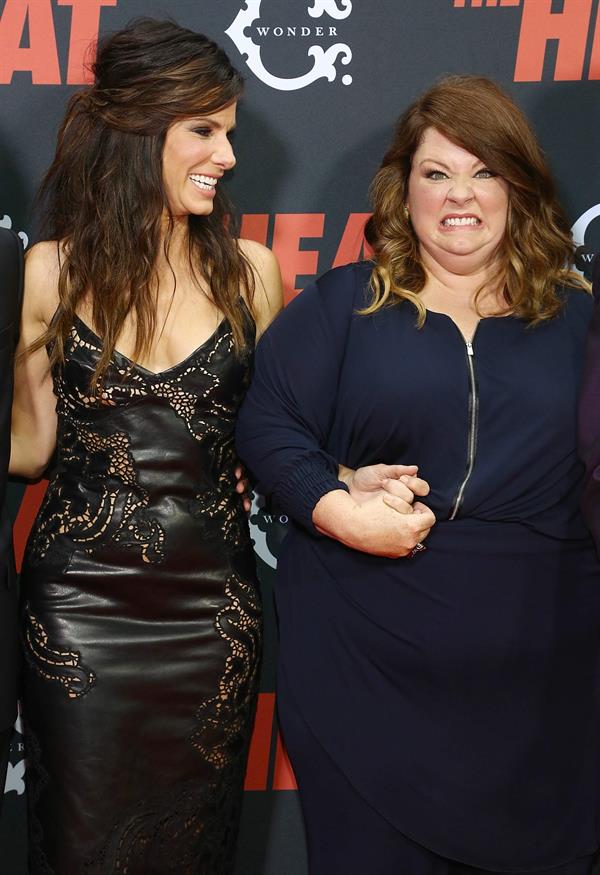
x=132 y=365
x=480 y=321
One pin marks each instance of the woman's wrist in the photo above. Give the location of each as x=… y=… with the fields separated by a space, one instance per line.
x=333 y=515
x=346 y=475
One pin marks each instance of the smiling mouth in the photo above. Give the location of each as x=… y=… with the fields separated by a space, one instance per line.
x=204 y=183
x=460 y=222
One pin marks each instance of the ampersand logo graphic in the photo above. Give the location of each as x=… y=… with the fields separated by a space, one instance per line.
x=267 y=530
x=252 y=31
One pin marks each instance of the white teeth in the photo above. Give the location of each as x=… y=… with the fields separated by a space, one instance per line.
x=206 y=183
x=463 y=220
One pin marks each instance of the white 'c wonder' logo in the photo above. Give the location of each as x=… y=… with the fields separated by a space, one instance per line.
x=324 y=60
x=581 y=225
x=578 y=232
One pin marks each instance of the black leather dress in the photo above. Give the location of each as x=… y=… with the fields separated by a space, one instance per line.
x=142 y=620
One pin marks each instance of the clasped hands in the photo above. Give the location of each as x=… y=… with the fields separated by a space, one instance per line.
x=381 y=513
x=397 y=485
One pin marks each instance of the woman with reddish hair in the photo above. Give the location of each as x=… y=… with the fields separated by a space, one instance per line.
x=439 y=673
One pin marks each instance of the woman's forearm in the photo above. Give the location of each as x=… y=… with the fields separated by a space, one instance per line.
x=379 y=526
x=333 y=516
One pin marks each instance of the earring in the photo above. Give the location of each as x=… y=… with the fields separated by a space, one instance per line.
x=406 y=211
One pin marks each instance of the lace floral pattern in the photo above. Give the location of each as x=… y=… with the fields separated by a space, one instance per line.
x=116 y=511
x=222 y=719
x=203 y=410
x=89 y=518
x=188 y=831
x=144 y=541
x=193 y=828
x=62 y=666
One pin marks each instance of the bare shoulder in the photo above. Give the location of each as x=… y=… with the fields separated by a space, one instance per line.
x=42 y=270
x=43 y=258
x=268 y=293
x=263 y=261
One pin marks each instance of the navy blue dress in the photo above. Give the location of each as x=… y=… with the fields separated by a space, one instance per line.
x=458 y=690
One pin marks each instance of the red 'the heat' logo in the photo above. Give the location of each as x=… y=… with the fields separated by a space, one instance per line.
x=40 y=57
x=571 y=29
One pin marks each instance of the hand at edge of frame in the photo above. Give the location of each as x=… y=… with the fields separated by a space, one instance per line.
x=242 y=487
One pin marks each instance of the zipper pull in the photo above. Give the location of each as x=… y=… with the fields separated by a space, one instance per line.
x=469 y=347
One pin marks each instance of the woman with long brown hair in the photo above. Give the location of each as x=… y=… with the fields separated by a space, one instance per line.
x=439 y=661
x=142 y=620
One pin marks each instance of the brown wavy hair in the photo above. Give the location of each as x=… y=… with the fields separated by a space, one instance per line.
x=536 y=255
x=104 y=197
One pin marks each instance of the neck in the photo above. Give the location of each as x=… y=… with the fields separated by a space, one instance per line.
x=461 y=277
x=177 y=241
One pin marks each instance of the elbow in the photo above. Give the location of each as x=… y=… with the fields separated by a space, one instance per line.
x=28 y=471
x=28 y=462
x=36 y=472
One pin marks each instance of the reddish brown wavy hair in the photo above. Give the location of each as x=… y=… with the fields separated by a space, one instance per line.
x=104 y=197
x=537 y=252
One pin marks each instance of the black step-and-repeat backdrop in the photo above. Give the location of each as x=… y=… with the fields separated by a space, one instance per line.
x=325 y=81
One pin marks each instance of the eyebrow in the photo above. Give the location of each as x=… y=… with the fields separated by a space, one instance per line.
x=446 y=166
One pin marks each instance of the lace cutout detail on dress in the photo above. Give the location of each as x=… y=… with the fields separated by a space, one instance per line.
x=63 y=666
x=83 y=524
x=113 y=490
x=111 y=513
x=217 y=510
x=187 y=831
x=202 y=412
x=86 y=524
x=222 y=719
x=193 y=828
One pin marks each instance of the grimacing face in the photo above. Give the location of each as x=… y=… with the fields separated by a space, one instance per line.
x=458 y=207
x=196 y=154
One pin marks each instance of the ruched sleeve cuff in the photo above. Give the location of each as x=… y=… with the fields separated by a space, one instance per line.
x=303 y=483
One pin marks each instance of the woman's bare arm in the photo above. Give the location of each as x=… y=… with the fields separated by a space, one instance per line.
x=268 y=293
x=33 y=432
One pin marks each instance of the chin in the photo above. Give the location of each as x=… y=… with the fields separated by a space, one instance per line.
x=463 y=247
x=462 y=250
x=200 y=210
x=204 y=208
